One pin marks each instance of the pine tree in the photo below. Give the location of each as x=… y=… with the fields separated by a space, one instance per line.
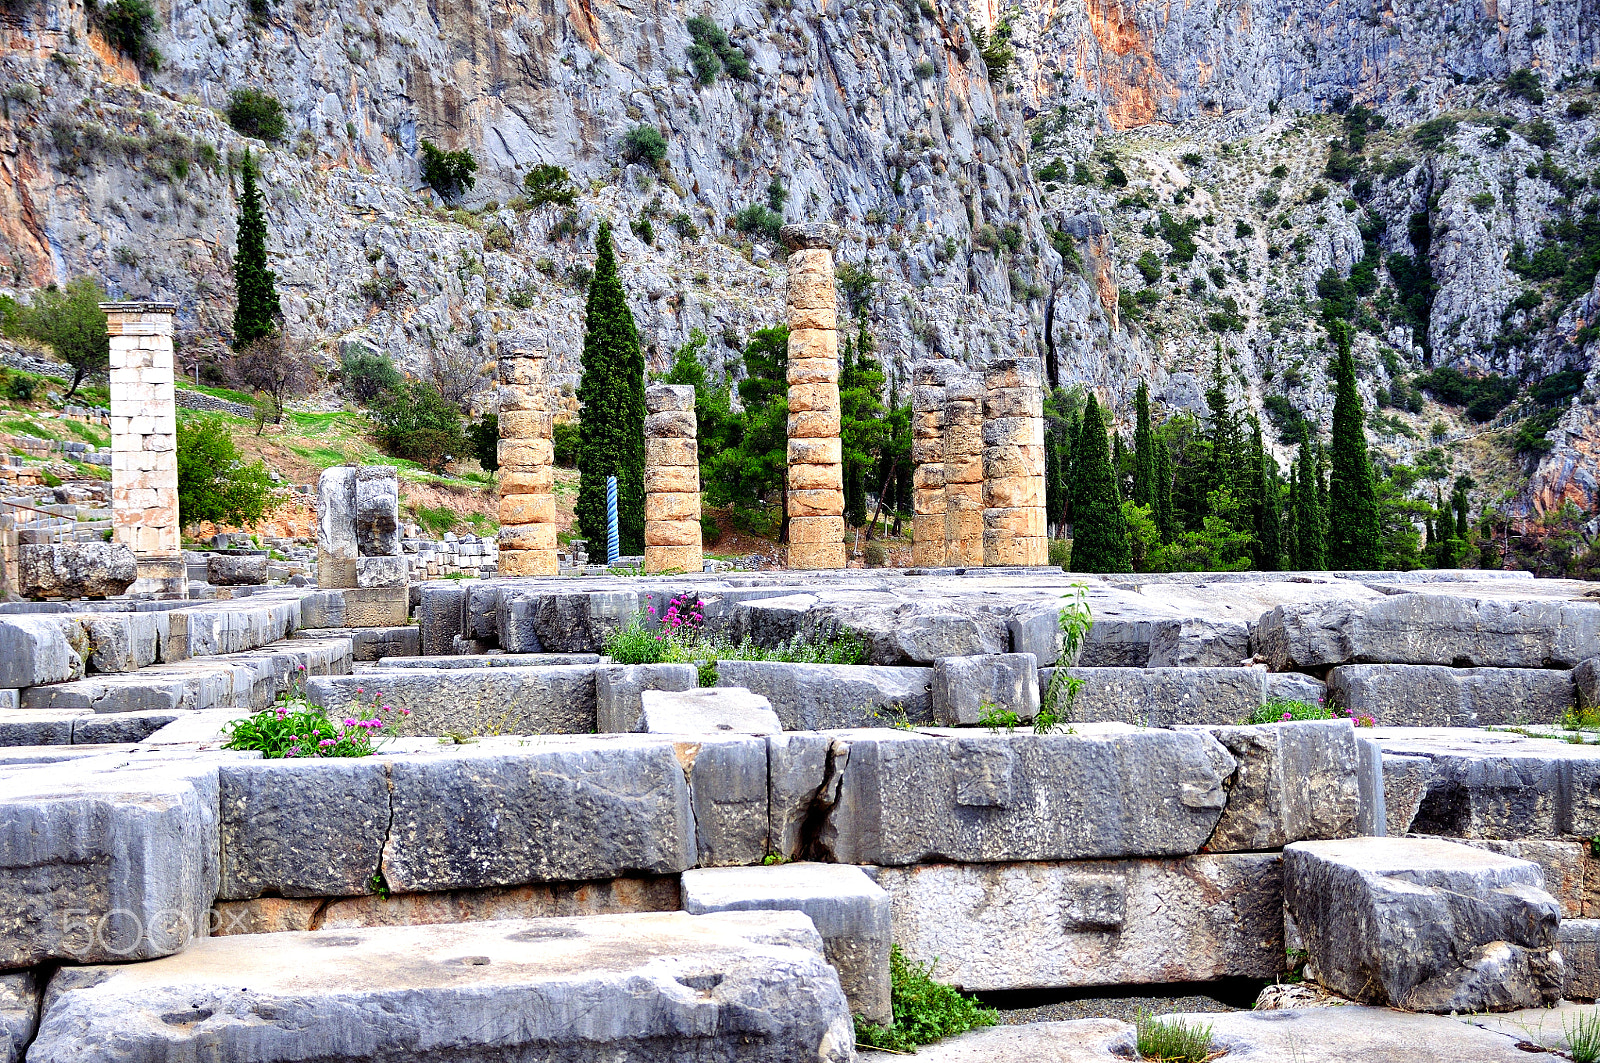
x=611 y=432
x=1161 y=489
x=1099 y=532
x=254 y=284
x=1308 y=512
x=1355 y=532
x=1144 y=457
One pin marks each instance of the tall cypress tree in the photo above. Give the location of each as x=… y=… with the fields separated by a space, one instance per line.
x=1144 y=456
x=1308 y=514
x=1355 y=533
x=862 y=425
x=1263 y=553
x=1291 y=525
x=1322 y=502
x=1161 y=490
x=253 y=283
x=1054 y=504
x=1119 y=464
x=611 y=430
x=1099 y=532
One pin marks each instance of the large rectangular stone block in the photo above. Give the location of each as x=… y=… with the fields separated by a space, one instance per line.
x=558 y=812
x=813 y=697
x=376 y=606
x=1424 y=925
x=106 y=865
x=965 y=688
x=1422 y=695
x=377 y=510
x=1164 y=697
x=525 y=701
x=728 y=792
x=1295 y=782
x=996 y=927
x=439 y=617
x=41 y=649
x=973 y=797
x=746 y=986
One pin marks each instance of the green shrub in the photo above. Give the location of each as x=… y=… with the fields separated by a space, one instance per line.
x=710 y=533
x=483 y=436
x=1171 y=1040
x=448 y=173
x=253 y=113
x=1540 y=134
x=758 y=220
x=644 y=144
x=565 y=439
x=293 y=728
x=1583 y=1034
x=1285 y=710
x=874 y=555
x=415 y=422
x=1430 y=136
x=1061 y=554
x=365 y=374
x=923 y=69
x=435 y=520
x=214 y=483
x=710 y=52
x=21 y=386
x=925 y=1011
x=1149 y=266
x=1525 y=83
x=130 y=25
x=549 y=184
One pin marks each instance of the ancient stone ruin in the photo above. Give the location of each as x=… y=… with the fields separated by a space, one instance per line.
x=671 y=481
x=527 y=469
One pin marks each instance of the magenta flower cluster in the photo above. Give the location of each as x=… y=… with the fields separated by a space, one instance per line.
x=681 y=619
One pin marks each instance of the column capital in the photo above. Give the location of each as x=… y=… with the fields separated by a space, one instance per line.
x=810 y=235
x=139 y=308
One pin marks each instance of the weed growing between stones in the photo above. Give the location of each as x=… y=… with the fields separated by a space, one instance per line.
x=925 y=1011
x=1075 y=620
x=1584 y=718
x=678 y=635
x=1288 y=710
x=1171 y=1040
x=994 y=718
x=294 y=727
x=1583 y=1034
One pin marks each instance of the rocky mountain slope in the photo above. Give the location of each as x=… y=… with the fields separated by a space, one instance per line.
x=1142 y=190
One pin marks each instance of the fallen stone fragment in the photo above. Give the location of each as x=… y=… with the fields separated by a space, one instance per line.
x=1424 y=925
x=75 y=570
x=849 y=910
x=708 y=710
x=737 y=986
x=619 y=706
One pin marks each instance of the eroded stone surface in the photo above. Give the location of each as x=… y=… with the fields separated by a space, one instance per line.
x=1295 y=781
x=708 y=710
x=75 y=570
x=1441 y=696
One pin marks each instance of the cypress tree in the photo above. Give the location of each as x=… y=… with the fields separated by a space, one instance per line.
x=611 y=430
x=1459 y=502
x=1054 y=503
x=863 y=427
x=1322 y=505
x=1099 y=532
x=855 y=469
x=1119 y=463
x=1224 y=457
x=1161 y=490
x=1144 y=456
x=1264 y=554
x=254 y=284
x=1291 y=534
x=1355 y=533
x=1308 y=513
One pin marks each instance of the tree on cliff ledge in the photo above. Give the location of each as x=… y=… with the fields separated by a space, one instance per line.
x=1099 y=531
x=611 y=430
x=1355 y=537
x=255 y=284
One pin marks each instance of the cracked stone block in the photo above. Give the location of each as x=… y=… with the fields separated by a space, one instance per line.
x=559 y=811
x=236 y=570
x=850 y=911
x=439 y=617
x=75 y=570
x=1164 y=697
x=619 y=705
x=1424 y=925
x=996 y=927
x=337 y=545
x=20 y=992
x=1295 y=781
x=277 y=826
x=964 y=688
x=814 y=697
x=1440 y=696
x=1579 y=941
x=970 y=797
x=376 y=606
x=106 y=865
x=727 y=777
x=713 y=710
x=747 y=986
x=797 y=770
x=1405 y=783
x=37 y=649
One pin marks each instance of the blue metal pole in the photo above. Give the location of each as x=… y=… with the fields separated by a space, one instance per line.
x=612 y=550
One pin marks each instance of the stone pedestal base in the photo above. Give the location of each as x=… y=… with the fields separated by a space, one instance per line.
x=816 y=542
x=376 y=606
x=161 y=577
x=528 y=563
x=662 y=559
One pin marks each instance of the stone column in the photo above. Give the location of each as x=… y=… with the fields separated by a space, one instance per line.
x=527 y=469
x=927 y=456
x=338 y=550
x=1013 y=464
x=963 y=471
x=816 y=470
x=671 y=481
x=144 y=445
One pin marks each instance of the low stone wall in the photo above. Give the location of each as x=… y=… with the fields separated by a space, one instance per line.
x=199 y=400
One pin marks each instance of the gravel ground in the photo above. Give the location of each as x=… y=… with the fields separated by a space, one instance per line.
x=1123 y=1008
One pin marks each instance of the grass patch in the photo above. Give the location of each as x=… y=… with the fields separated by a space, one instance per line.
x=227 y=394
x=1286 y=710
x=1583 y=1034
x=1171 y=1040
x=678 y=635
x=925 y=1011
x=20 y=426
x=435 y=520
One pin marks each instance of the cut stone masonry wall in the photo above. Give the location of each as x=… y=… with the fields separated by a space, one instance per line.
x=928 y=503
x=671 y=481
x=1013 y=464
x=963 y=472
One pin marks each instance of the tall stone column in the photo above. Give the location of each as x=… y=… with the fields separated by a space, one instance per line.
x=1013 y=464
x=527 y=469
x=671 y=481
x=963 y=471
x=144 y=445
x=816 y=470
x=928 y=502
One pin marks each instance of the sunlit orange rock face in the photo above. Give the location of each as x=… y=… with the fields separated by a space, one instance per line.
x=1571 y=471
x=1130 y=81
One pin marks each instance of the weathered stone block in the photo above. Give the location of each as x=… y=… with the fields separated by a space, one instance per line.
x=975 y=797
x=236 y=570
x=1405 y=783
x=376 y=606
x=997 y=927
x=41 y=649
x=727 y=776
x=19 y=1013
x=337 y=546
x=1579 y=942
x=964 y=688
x=618 y=690
x=392 y=571
x=849 y=910
x=75 y=570
x=812 y=697
x=1441 y=696
x=748 y=986
x=1295 y=781
x=439 y=617
x=1424 y=925
x=527 y=701
x=560 y=813
x=275 y=827
x=377 y=510
x=797 y=769
x=106 y=865
x=713 y=710
x=1164 y=697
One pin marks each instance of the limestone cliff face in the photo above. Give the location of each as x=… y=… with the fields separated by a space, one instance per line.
x=875 y=115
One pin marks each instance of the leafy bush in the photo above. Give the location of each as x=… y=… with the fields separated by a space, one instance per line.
x=549 y=184
x=294 y=728
x=1525 y=83
x=644 y=144
x=483 y=436
x=131 y=26
x=365 y=374
x=565 y=438
x=711 y=52
x=21 y=386
x=71 y=322
x=1149 y=266
x=254 y=113
x=214 y=483
x=415 y=422
x=448 y=173
x=1540 y=134
x=923 y=69
x=758 y=220
x=925 y=1011
x=1483 y=396
x=995 y=49
x=1171 y=1040
x=1288 y=710
x=874 y=555
x=1060 y=554
x=1430 y=136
